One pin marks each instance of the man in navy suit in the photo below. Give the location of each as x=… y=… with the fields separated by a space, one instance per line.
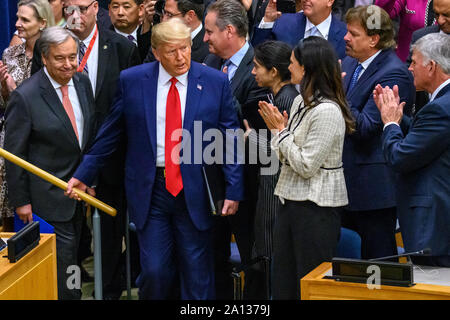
x=166 y=192
x=422 y=156
x=226 y=26
x=315 y=20
x=370 y=182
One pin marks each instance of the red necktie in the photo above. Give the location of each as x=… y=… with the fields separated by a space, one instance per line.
x=68 y=107
x=174 y=183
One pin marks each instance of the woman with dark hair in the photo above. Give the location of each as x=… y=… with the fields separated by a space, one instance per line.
x=271 y=70
x=309 y=145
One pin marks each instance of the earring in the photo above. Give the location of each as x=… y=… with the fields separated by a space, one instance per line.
x=41 y=29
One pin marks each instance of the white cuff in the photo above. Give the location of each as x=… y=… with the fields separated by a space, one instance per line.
x=265 y=25
x=389 y=123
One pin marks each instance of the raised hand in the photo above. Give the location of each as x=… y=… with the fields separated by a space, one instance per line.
x=272 y=116
x=387 y=101
x=271 y=13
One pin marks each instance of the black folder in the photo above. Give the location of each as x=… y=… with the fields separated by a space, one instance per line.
x=215 y=187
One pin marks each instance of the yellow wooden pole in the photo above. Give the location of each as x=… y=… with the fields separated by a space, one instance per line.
x=56 y=181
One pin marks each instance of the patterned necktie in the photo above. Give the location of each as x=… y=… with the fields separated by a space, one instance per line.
x=225 y=67
x=81 y=56
x=69 y=109
x=174 y=183
x=355 y=77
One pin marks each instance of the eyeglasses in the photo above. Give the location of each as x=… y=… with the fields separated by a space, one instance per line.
x=81 y=9
x=170 y=15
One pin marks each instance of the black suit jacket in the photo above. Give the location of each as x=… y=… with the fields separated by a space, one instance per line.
x=243 y=85
x=38 y=130
x=143 y=41
x=422 y=97
x=199 y=48
x=116 y=53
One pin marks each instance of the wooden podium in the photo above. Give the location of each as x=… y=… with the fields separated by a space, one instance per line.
x=33 y=277
x=315 y=287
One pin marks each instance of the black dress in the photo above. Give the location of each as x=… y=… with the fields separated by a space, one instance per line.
x=268 y=204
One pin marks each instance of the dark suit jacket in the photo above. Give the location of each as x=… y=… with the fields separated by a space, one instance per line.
x=422 y=97
x=199 y=49
x=243 y=85
x=422 y=161
x=134 y=115
x=116 y=53
x=143 y=41
x=38 y=130
x=370 y=182
x=103 y=19
x=290 y=28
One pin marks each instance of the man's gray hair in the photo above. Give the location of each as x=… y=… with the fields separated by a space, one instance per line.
x=436 y=47
x=230 y=13
x=54 y=36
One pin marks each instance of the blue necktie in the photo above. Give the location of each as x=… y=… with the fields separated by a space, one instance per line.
x=355 y=77
x=314 y=32
x=227 y=64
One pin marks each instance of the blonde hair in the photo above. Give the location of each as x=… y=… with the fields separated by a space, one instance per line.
x=42 y=10
x=170 y=31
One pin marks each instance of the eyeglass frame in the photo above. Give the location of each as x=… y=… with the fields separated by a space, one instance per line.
x=169 y=14
x=81 y=9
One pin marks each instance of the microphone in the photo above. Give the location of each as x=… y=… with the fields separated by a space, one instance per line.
x=423 y=252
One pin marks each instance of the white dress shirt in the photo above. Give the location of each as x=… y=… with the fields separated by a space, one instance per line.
x=435 y=93
x=161 y=101
x=323 y=27
x=92 y=62
x=134 y=34
x=196 y=31
x=365 y=64
x=73 y=97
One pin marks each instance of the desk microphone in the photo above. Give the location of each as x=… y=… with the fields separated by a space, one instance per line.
x=423 y=252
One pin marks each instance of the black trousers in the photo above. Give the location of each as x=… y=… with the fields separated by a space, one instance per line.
x=112 y=236
x=376 y=229
x=241 y=225
x=305 y=235
x=67 y=242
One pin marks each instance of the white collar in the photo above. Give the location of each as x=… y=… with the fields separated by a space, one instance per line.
x=323 y=27
x=196 y=31
x=165 y=77
x=435 y=93
x=134 y=33
x=365 y=64
x=54 y=83
x=89 y=37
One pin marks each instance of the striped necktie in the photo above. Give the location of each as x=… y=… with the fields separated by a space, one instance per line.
x=81 y=56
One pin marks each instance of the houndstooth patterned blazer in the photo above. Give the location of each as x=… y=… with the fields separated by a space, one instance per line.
x=310 y=150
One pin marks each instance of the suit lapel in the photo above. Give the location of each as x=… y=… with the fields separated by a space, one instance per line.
x=301 y=26
x=335 y=35
x=84 y=105
x=198 y=39
x=103 y=60
x=50 y=96
x=149 y=90
x=194 y=90
x=374 y=66
x=348 y=77
x=242 y=70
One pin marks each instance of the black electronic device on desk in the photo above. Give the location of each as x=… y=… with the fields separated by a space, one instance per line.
x=2 y=244
x=23 y=241
x=389 y=273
